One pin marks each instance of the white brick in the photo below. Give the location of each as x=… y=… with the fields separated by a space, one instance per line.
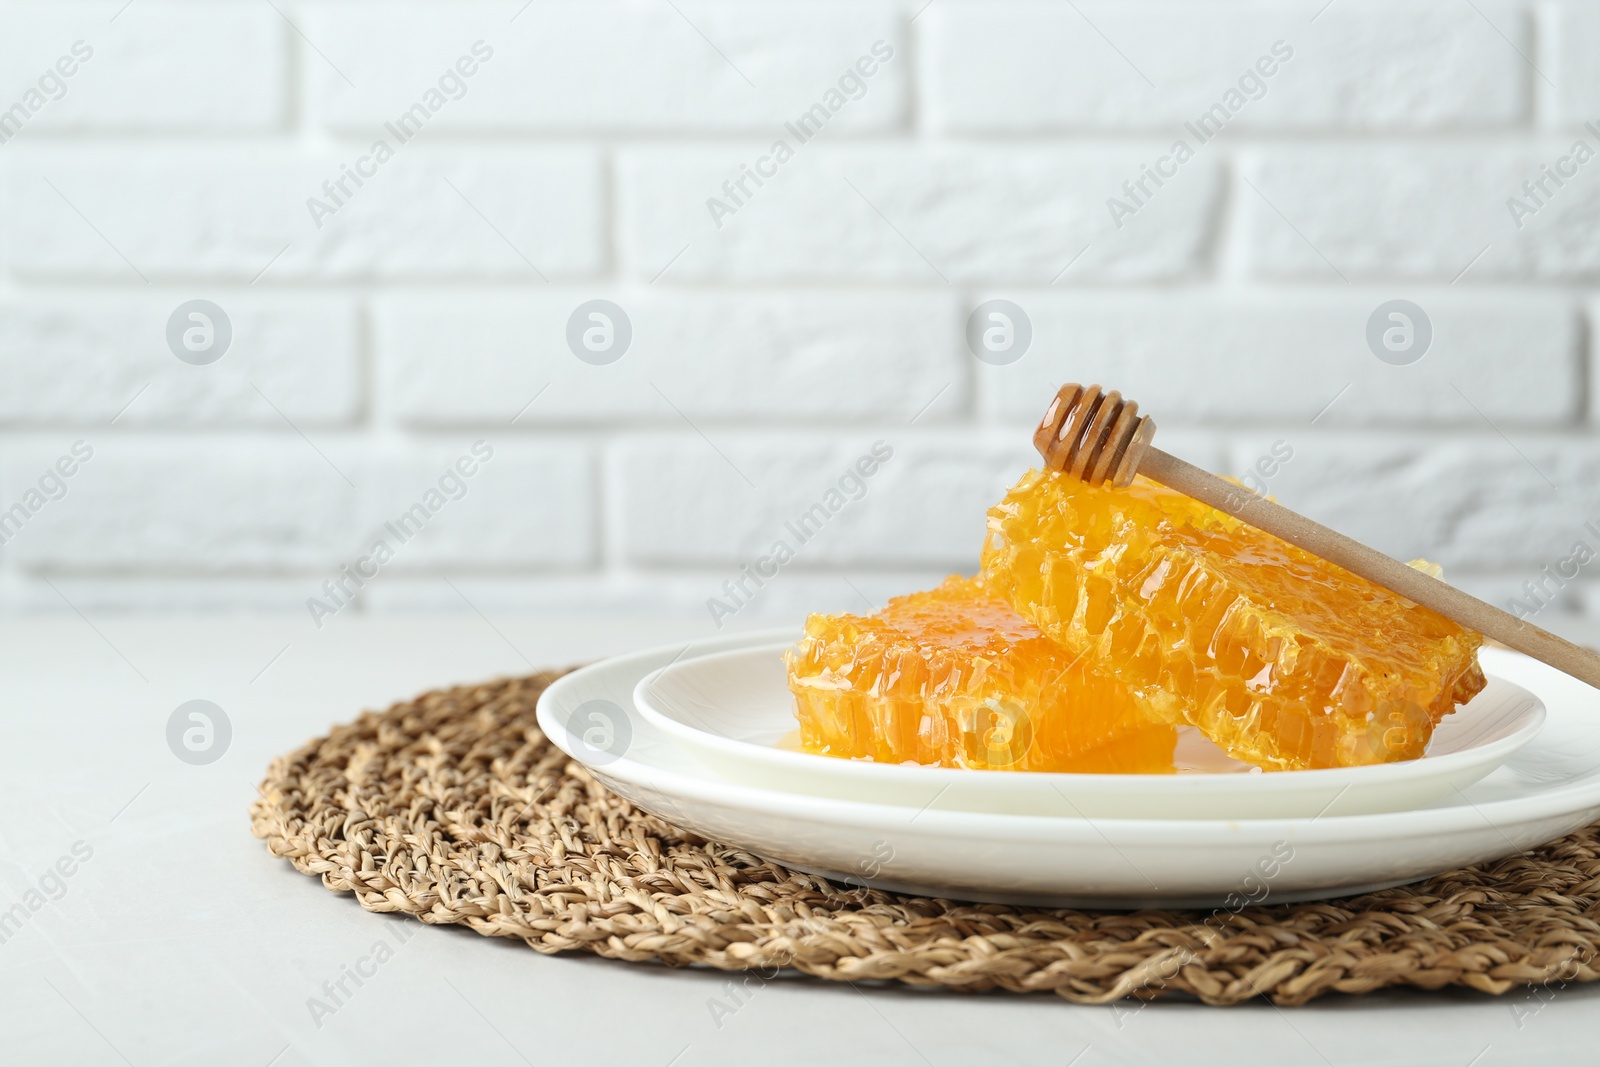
x=680 y=502
x=179 y=504
x=607 y=66
x=957 y=214
x=480 y=358
x=1374 y=212
x=159 y=66
x=679 y=596
x=1573 y=27
x=1193 y=358
x=83 y=360
x=527 y=506
x=1478 y=503
x=580 y=594
x=683 y=501
x=1593 y=366
x=1588 y=604
x=1508 y=590
x=1372 y=64
x=241 y=212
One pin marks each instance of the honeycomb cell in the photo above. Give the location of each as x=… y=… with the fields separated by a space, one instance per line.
x=1278 y=656
x=954 y=677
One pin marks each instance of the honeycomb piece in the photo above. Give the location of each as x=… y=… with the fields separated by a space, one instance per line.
x=956 y=678
x=1281 y=658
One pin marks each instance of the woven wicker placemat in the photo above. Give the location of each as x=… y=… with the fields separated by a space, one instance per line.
x=454 y=808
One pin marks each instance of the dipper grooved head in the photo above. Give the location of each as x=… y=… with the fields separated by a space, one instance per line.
x=1093 y=435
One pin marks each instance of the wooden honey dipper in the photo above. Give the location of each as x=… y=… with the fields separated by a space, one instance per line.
x=1100 y=437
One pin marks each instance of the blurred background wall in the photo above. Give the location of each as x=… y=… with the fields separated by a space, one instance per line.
x=275 y=274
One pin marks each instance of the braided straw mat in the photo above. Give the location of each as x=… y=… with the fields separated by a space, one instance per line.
x=454 y=808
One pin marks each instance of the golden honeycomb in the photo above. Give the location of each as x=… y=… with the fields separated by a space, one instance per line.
x=1281 y=658
x=954 y=677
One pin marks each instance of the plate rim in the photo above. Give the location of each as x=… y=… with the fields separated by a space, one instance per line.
x=1562 y=801
x=1315 y=779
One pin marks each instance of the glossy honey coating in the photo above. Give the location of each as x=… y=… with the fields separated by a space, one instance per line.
x=954 y=677
x=1281 y=658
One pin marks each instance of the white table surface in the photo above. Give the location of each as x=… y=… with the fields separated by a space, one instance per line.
x=181 y=941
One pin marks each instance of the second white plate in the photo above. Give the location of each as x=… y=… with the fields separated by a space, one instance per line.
x=1551 y=787
x=734 y=709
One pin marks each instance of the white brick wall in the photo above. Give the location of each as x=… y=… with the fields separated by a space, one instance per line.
x=565 y=152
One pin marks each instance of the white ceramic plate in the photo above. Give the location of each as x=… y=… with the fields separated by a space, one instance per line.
x=1548 y=788
x=733 y=709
